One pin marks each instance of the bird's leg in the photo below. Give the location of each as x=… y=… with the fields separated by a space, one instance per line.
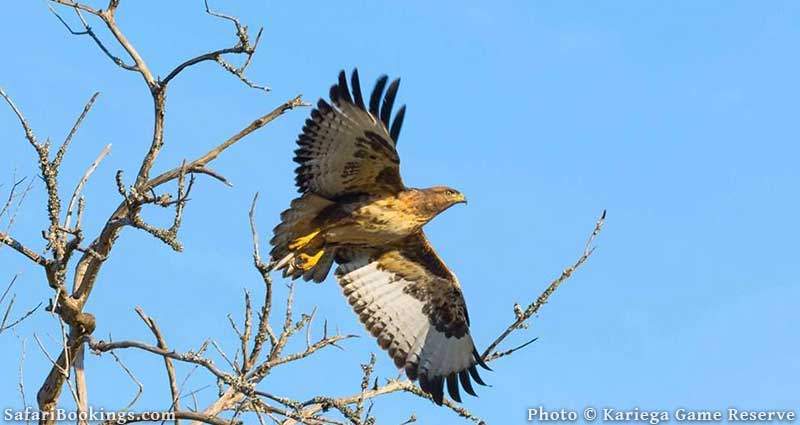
x=303 y=240
x=306 y=261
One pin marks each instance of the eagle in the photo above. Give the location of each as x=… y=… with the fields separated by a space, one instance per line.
x=354 y=210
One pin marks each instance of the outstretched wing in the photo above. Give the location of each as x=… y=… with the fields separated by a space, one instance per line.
x=408 y=299
x=346 y=148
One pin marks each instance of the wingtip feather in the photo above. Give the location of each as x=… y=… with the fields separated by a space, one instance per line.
x=479 y=359
x=397 y=124
x=375 y=98
x=452 y=387
x=388 y=101
x=356 y=83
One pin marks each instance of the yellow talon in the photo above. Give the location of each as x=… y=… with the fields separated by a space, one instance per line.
x=303 y=241
x=307 y=262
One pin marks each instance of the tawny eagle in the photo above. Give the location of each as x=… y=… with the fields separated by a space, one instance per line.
x=355 y=210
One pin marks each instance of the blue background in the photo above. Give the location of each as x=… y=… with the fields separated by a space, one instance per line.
x=679 y=118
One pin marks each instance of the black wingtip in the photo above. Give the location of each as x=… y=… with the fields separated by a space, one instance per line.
x=375 y=98
x=397 y=124
x=323 y=107
x=354 y=81
x=344 y=91
x=433 y=386
x=424 y=384
x=479 y=359
x=452 y=387
x=466 y=383
x=438 y=390
x=388 y=101
x=334 y=94
x=473 y=372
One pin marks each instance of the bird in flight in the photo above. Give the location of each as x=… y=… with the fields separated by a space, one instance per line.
x=355 y=210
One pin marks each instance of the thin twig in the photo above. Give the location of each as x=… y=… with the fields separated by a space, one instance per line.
x=102 y=346
x=82 y=182
x=87 y=30
x=21 y=381
x=534 y=307
x=19 y=320
x=139 y=385
x=173 y=385
x=24 y=122
x=63 y=149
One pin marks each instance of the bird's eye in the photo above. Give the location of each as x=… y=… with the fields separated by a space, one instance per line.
x=451 y=192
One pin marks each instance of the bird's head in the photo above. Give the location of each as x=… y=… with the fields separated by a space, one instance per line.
x=447 y=195
x=440 y=198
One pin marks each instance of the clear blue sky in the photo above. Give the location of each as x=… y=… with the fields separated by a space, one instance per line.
x=679 y=118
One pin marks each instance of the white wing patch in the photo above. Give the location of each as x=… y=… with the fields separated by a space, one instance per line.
x=399 y=321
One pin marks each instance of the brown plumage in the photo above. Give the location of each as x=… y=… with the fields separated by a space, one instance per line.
x=355 y=210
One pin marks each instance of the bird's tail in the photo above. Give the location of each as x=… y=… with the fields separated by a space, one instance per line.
x=298 y=247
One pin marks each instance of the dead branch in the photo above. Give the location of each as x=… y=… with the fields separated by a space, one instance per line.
x=533 y=308
x=63 y=149
x=81 y=388
x=4 y=325
x=22 y=120
x=100 y=346
x=243 y=46
x=87 y=30
x=22 y=249
x=162 y=344
x=139 y=386
x=21 y=375
x=19 y=320
x=89 y=265
x=76 y=193
x=12 y=196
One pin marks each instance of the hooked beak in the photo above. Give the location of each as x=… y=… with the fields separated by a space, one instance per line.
x=461 y=199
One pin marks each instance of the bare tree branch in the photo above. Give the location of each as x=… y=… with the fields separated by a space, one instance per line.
x=533 y=308
x=3 y=326
x=76 y=193
x=19 y=320
x=24 y=122
x=22 y=249
x=63 y=149
x=12 y=194
x=89 y=265
x=87 y=30
x=21 y=376
x=162 y=344
x=81 y=388
x=139 y=386
x=107 y=16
